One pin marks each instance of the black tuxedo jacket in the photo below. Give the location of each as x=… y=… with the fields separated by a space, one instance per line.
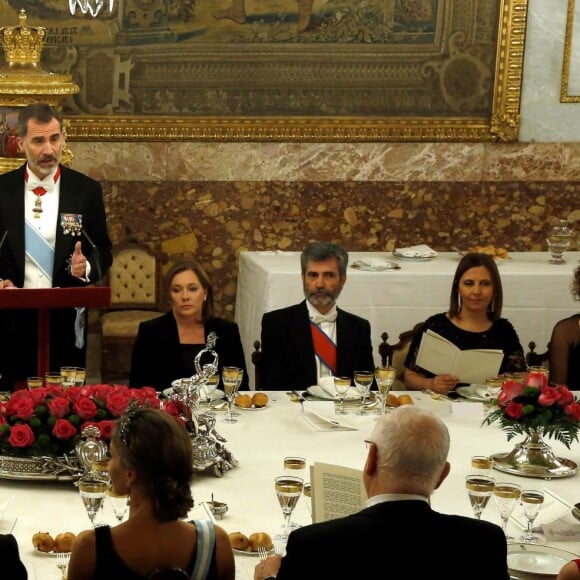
x=394 y=540
x=79 y=194
x=288 y=352
x=157 y=356
x=12 y=566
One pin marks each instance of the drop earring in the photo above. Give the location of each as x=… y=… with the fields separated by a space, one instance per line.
x=459 y=303
x=129 y=485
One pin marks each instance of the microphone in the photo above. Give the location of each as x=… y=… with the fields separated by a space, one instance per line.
x=95 y=251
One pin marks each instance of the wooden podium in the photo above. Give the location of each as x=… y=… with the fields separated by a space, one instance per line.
x=44 y=300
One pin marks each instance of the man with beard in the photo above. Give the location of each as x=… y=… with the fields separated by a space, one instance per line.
x=53 y=230
x=314 y=339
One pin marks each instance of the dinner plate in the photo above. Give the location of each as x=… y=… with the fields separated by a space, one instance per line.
x=250 y=408
x=52 y=554
x=474 y=393
x=248 y=553
x=536 y=559
x=318 y=392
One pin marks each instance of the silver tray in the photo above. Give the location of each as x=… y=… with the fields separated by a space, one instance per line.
x=42 y=468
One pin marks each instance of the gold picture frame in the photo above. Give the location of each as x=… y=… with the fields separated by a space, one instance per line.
x=565 y=97
x=475 y=74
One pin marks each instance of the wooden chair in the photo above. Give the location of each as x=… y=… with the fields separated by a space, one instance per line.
x=397 y=353
x=257 y=362
x=534 y=359
x=134 y=278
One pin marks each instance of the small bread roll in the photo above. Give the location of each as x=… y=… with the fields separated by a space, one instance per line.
x=63 y=542
x=392 y=400
x=43 y=542
x=239 y=541
x=405 y=400
x=260 y=399
x=244 y=401
x=260 y=540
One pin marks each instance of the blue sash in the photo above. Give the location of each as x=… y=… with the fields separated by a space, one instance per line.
x=205 y=547
x=38 y=249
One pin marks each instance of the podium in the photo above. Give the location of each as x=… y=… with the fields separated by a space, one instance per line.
x=44 y=300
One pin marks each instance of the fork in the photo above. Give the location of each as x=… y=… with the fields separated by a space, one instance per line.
x=262 y=553
x=62 y=559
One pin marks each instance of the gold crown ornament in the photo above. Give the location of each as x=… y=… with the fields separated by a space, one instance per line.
x=23 y=44
x=23 y=80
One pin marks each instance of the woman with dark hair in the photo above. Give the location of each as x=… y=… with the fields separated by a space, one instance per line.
x=473 y=321
x=151 y=462
x=166 y=346
x=12 y=566
x=565 y=345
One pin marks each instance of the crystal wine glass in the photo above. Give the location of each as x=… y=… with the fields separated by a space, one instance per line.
x=559 y=239
x=295 y=467
x=288 y=490
x=119 y=503
x=363 y=381
x=385 y=377
x=505 y=495
x=210 y=388
x=531 y=501
x=481 y=465
x=68 y=376
x=479 y=490
x=93 y=492
x=230 y=383
x=341 y=384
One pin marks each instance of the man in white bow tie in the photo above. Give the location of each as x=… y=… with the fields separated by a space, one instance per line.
x=53 y=233
x=313 y=339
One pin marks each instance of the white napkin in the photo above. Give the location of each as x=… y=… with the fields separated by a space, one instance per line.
x=378 y=264
x=320 y=416
x=327 y=385
x=419 y=251
x=552 y=509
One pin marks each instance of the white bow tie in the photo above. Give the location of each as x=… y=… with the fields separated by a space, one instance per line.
x=320 y=318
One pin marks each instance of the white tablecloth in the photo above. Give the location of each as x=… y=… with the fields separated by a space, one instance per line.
x=259 y=441
x=536 y=293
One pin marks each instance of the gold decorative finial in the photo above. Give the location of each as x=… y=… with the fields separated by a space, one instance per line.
x=22 y=44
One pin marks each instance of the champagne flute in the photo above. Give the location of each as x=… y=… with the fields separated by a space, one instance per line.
x=363 y=381
x=240 y=377
x=93 y=492
x=505 y=495
x=341 y=384
x=479 y=490
x=385 y=377
x=230 y=382
x=288 y=490
x=295 y=467
x=210 y=388
x=119 y=503
x=531 y=501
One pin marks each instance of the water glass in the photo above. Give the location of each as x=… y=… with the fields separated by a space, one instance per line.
x=52 y=380
x=559 y=239
x=34 y=382
x=68 y=375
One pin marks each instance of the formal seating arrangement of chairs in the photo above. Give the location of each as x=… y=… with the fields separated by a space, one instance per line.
x=396 y=354
x=135 y=281
x=537 y=359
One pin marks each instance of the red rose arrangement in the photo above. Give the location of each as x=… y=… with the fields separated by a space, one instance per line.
x=49 y=420
x=534 y=405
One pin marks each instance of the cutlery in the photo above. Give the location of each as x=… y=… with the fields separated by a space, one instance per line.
x=62 y=559
x=262 y=553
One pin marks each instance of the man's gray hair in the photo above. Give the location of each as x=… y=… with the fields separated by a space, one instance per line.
x=320 y=251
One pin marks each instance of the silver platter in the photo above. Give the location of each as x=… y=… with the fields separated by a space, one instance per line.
x=65 y=468
x=559 y=468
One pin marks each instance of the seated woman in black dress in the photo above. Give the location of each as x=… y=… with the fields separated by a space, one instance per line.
x=473 y=321
x=12 y=566
x=565 y=346
x=151 y=463
x=166 y=346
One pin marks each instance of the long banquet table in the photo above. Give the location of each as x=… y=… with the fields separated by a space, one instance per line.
x=259 y=441
x=536 y=293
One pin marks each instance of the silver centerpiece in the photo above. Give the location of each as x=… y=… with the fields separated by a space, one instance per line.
x=209 y=453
